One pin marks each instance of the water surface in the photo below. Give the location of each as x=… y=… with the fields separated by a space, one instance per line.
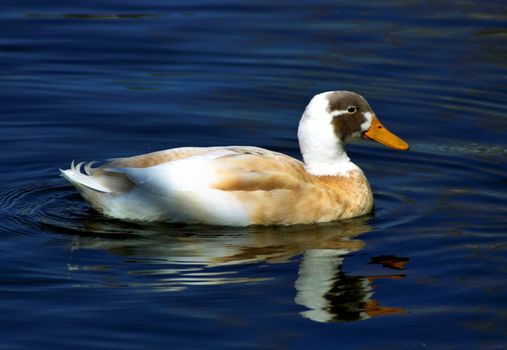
x=110 y=78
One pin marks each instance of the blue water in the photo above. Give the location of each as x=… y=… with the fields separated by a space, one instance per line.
x=100 y=79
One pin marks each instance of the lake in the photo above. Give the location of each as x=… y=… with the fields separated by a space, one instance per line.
x=104 y=79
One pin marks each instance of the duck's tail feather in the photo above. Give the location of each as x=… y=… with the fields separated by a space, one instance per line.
x=84 y=179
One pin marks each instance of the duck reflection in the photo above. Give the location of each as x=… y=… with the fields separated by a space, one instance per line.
x=332 y=295
x=174 y=257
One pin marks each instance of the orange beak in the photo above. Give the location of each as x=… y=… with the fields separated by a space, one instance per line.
x=377 y=132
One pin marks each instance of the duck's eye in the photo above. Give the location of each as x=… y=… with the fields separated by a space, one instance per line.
x=351 y=110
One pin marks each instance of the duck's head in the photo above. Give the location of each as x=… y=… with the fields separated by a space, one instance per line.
x=349 y=116
x=331 y=119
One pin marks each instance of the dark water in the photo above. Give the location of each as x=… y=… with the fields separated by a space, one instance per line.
x=100 y=79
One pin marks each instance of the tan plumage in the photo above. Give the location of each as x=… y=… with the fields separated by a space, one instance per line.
x=281 y=191
x=240 y=185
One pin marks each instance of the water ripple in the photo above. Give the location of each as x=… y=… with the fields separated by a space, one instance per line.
x=52 y=207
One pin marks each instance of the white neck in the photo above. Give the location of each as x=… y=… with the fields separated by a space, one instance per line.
x=323 y=152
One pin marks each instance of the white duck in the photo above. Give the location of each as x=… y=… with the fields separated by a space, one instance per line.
x=242 y=185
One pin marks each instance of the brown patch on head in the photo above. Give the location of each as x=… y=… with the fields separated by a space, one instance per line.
x=348 y=123
x=341 y=100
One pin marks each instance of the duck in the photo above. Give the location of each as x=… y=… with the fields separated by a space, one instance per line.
x=246 y=185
